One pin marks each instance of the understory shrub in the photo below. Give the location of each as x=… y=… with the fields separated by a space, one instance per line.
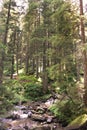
x=33 y=90
x=25 y=87
x=24 y=79
x=6 y=97
x=66 y=111
x=32 y=87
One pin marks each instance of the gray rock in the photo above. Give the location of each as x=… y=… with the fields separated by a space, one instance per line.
x=49 y=119
x=18 y=128
x=29 y=114
x=37 y=117
x=15 y=116
x=42 y=128
x=40 y=110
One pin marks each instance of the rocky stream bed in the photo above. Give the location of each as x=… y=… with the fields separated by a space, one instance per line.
x=31 y=116
x=37 y=116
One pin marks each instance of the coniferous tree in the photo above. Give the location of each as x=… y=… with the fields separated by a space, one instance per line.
x=84 y=52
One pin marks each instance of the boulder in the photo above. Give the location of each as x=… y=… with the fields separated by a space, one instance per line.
x=37 y=117
x=23 y=108
x=18 y=128
x=29 y=114
x=40 y=110
x=80 y=123
x=49 y=119
x=15 y=116
x=42 y=128
x=5 y=126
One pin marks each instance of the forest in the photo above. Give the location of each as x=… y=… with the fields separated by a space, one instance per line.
x=43 y=65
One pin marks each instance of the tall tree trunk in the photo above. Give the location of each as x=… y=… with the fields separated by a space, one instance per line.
x=4 y=42
x=27 y=59
x=17 y=42
x=33 y=65
x=44 y=78
x=48 y=59
x=37 y=67
x=7 y=23
x=17 y=59
x=1 y=69
x=84 y=53
x=12 y=67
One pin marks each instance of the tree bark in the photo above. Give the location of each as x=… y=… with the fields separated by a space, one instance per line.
x=1 y=69
x=37 y=66
x=84 y=54
x=7 y=23
x=17 y=58
x=27 y=58
x=12 y=67
x=4 y=42
x=44 y=78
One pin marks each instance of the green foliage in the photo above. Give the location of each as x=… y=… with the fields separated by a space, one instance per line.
x=6 y=96
x=24 y=79
x=16 y=89
x=80 y=120
x=25 y=87
x=33 y=91
x=62 y=80
x=32 y=88
x=66 y=110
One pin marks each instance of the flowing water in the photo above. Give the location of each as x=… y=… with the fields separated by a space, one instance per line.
x=33 y=116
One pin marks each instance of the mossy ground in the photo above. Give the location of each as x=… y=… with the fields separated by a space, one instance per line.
x=79 y=121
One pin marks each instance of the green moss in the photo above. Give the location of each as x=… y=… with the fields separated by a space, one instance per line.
x=79 y=121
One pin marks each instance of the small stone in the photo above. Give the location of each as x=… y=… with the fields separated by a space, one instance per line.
x=15 y=116
x=49 y=119
x=40 y=110
x=22 y=116
x=26 y=128
x=38 y=117
x=29 y=114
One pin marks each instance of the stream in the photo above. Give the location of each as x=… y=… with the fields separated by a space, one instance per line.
x=31 y=116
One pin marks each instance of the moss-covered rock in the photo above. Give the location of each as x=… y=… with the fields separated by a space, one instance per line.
x=78 y=123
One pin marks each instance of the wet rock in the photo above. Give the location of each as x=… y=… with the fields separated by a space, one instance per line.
x=15 y=116
x=23 y=123
x=43 y=105
x=34 y=105
x=34 y=112
x=23 y=108
x=18 y=128
x=37 y=117
x=29 y=114
x=49 y=102
x=23 y=116
x=49 y=119
x=83 y=127
x=80 y=123
x=40 y=110
x=55 y=120
x=5 y=126
x=42 y=128
x=25 y=112
x=26 y=128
